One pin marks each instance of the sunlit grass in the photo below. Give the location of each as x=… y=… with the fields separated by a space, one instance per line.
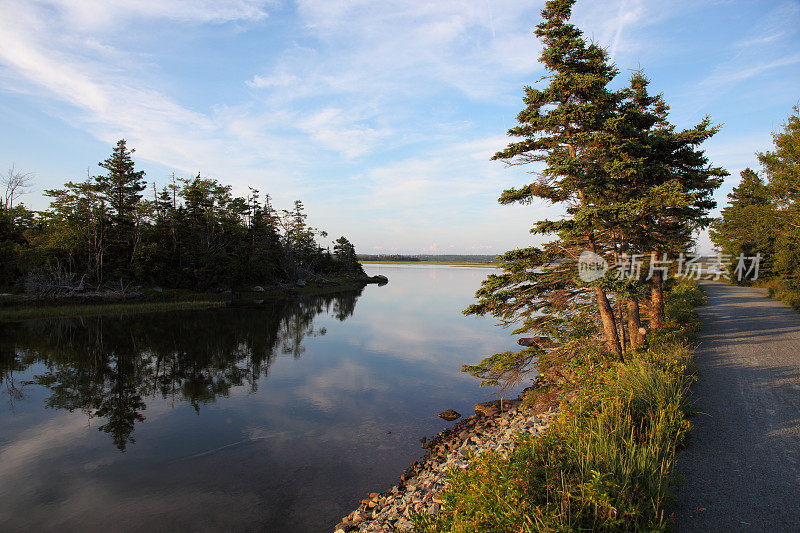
x=11 y=314
x=605 y=464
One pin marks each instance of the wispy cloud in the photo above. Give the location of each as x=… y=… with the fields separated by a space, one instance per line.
x=770 y=45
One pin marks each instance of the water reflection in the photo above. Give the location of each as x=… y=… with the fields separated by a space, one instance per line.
x=279 y=417
x=106 y=367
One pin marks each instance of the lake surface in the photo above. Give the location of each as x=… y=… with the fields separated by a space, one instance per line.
x=276 y=417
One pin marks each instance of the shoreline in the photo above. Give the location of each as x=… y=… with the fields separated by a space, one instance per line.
x=489 y=429
x=14 y=307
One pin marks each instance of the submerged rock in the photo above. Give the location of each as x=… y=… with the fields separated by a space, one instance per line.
x=495 y=406
x=449 y=415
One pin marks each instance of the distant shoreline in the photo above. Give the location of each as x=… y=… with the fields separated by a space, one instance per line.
x=451 y=263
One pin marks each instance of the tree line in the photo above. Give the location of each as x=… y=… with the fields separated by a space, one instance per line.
x=763 y=215
x=191 y=233
x=631 y=185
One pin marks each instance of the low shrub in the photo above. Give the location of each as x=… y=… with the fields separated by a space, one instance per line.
x=783 y=291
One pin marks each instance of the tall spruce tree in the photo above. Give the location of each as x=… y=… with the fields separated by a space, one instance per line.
x=628 y=183
x=122 y=185
x=561 y=126
x=120 y=191
x=661 y=192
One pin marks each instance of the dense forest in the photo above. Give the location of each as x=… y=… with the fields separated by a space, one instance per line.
x=113 y=230
x=763 y=215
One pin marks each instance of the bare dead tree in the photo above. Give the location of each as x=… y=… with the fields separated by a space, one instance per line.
x=14 y=183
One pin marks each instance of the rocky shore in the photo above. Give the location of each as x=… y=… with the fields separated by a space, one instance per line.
x=492 y=428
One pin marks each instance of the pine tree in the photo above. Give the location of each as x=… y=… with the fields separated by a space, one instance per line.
x=748 y=224
x=661 y=191
x=345 y=255
x=559 y=127
x=782 y=165
x=122 y=185
x=628 y=183
x=562 y=126
x=119 y=192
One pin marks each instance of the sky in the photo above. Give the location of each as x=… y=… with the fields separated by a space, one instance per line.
x=381 y=117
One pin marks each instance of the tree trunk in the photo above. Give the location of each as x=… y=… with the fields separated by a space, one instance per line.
x=623 y=338
x=634 y=323
x=657 y=301
x=609 y=324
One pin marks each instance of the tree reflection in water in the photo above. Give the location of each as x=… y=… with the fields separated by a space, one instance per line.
x=107 y=366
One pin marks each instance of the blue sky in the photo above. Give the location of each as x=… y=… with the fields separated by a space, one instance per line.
x=380 y=116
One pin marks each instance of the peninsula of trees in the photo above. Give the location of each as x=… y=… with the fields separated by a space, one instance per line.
x=113 y=230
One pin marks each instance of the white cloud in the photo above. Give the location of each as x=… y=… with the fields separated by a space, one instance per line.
x=278 y=80
x=734 y=72
x=99 y=15
x=333 y=130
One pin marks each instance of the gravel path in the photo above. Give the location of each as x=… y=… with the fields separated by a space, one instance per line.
x=742 y=464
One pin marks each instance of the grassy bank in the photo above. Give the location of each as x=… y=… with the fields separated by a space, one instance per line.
x=606 y=463
x=780 y=290
x=124 y=308
x=14 y=307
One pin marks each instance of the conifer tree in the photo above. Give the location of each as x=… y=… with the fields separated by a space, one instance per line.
x=561 y=127
x=122 y=185
x=661 y=190
x=782 y=166
x=628 y=183
x=345 y=255
x=748 y=223
x=120 y=191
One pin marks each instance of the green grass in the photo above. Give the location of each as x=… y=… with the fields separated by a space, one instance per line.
x=606 y=463
x=14 y=313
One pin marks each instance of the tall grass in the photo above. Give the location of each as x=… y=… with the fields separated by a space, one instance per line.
x=605 y=464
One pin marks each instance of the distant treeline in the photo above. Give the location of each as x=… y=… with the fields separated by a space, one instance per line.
x=457 y=258
x=113 y=230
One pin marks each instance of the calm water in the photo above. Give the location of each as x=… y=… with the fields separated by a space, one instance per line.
x=277 y=417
